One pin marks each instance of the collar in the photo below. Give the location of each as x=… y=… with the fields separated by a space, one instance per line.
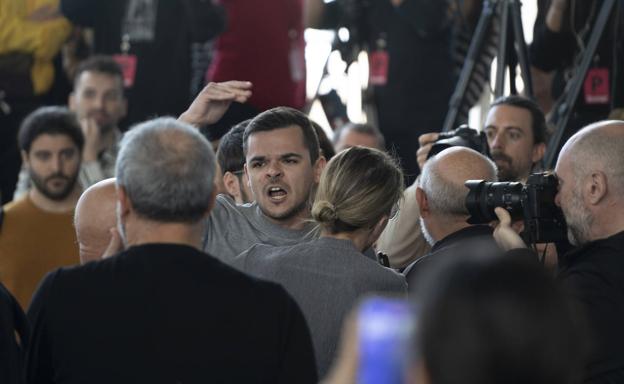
x=615 y=242
x=464 y=233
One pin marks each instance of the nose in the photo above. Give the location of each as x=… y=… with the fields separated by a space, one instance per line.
x=497 y=141
x=57 y=164
x=274 y=170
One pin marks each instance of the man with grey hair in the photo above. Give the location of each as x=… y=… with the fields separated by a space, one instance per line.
x=162 y=311
x=441 y=196
x=590 y=170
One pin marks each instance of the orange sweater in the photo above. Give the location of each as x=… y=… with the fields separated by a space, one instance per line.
x=33 y=242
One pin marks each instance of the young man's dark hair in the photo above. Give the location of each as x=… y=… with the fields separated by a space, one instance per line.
x=326 y=146
x=283 y=117
x=497 y=319
x=51 y=121
x=538 y=120
x=101 y=64
x=230 y=154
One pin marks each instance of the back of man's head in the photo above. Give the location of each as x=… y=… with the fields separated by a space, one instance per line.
x=352 y=134
x=50 y=121
x=443 y=177
x=167 y=170
x=538 y=120
x=488 y=320
x=284 y=117
x=93 y=219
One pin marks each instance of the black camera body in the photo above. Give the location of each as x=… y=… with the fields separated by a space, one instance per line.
x=463 y=136
x=534 y=203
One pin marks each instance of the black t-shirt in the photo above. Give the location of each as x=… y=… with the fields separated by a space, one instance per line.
x=164 y=313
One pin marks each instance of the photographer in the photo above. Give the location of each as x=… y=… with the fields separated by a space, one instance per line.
x=516 y=133
x=441 y=196
x=590 y=171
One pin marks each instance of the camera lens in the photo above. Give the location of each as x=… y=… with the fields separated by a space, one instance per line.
x=484 y=196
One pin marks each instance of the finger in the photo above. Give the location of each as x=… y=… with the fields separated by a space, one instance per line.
x=427 y=138
x=503 y=216
x=243 y=85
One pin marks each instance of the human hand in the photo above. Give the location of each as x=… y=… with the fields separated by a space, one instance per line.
x=425 y=142
x=214 y=100
x=504 y=234
x=115 y=245
x=92 y=143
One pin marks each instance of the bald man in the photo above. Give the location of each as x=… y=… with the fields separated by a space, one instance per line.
x=590 y=170
x=94 y=217
x=441 y=196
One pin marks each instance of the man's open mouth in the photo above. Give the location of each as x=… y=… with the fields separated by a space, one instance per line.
x=277 y=193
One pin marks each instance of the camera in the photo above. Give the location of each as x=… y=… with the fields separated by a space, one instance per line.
x=461 y=137
x=534 y=203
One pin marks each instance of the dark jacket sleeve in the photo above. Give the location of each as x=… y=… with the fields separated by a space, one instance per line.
x=550 y=50
x=205 y=19
x=39 y=367
x=298 y=361
x=427 y=17
x=81 y=12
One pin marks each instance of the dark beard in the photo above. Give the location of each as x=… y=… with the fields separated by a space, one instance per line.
x=40 y=184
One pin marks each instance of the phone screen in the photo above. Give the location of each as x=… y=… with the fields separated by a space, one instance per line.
x=385 y=329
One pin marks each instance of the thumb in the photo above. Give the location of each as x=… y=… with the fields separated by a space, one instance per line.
x=503 y=216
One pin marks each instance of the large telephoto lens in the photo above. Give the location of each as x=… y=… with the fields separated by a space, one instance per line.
x=484 y=196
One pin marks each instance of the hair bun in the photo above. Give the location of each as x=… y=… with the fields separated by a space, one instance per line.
x=324 y=212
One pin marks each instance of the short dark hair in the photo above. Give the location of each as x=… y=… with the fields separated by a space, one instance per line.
x=365 y=129
x=324 y=143
x=537 y=115
x=51 y=121
x=230 y=152
x=101 y=64
x=283 y=117
x=497 y=319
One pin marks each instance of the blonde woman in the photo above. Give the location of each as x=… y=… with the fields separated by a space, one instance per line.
x=357 y=195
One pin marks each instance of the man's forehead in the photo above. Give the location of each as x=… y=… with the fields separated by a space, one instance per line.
x=506 y=116
x=96 y=79
x=52 y=141
x=276 y=142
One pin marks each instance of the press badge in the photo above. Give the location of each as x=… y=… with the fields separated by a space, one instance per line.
x=378 y=64
x=128 y=64
x=596 y=86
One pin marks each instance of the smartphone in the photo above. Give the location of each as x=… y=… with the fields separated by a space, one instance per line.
x=385 y=331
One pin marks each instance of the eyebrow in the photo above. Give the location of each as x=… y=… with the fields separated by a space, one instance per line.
x=284 y=156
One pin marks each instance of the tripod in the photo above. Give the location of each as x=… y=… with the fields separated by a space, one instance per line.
x=510 y=33
x=564 y=105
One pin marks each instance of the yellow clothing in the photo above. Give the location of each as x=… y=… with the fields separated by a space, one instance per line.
x=43 y=39
x=33 y=242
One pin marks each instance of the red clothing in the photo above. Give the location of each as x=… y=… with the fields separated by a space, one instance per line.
x=263 y=43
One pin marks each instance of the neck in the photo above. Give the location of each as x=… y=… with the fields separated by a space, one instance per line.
x=296 y=222
x=108 y=139
x=142 y=231
x=56 y=206
x=441 y=228
x=359 y=238
x=609 y=222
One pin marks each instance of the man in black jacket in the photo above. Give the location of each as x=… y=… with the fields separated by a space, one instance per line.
x=590 y=170
x=441 y=196
x=162 y=311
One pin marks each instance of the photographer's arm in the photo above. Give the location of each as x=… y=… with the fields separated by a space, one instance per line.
x=425 y=142
x=214 y=100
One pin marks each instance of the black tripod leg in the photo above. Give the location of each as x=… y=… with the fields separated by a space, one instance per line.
x=501 y=56
x=474 y=51
x=563 y=109
x=521 y=48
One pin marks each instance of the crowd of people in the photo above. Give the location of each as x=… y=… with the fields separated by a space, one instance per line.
x=233 y=241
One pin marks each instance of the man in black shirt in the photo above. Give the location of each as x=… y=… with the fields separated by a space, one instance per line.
x=590 y=170
x=441 y=196
x=162 y=311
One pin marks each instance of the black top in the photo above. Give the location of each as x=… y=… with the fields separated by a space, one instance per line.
x=165 y=313
x=471 y=239
x=594 y=276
